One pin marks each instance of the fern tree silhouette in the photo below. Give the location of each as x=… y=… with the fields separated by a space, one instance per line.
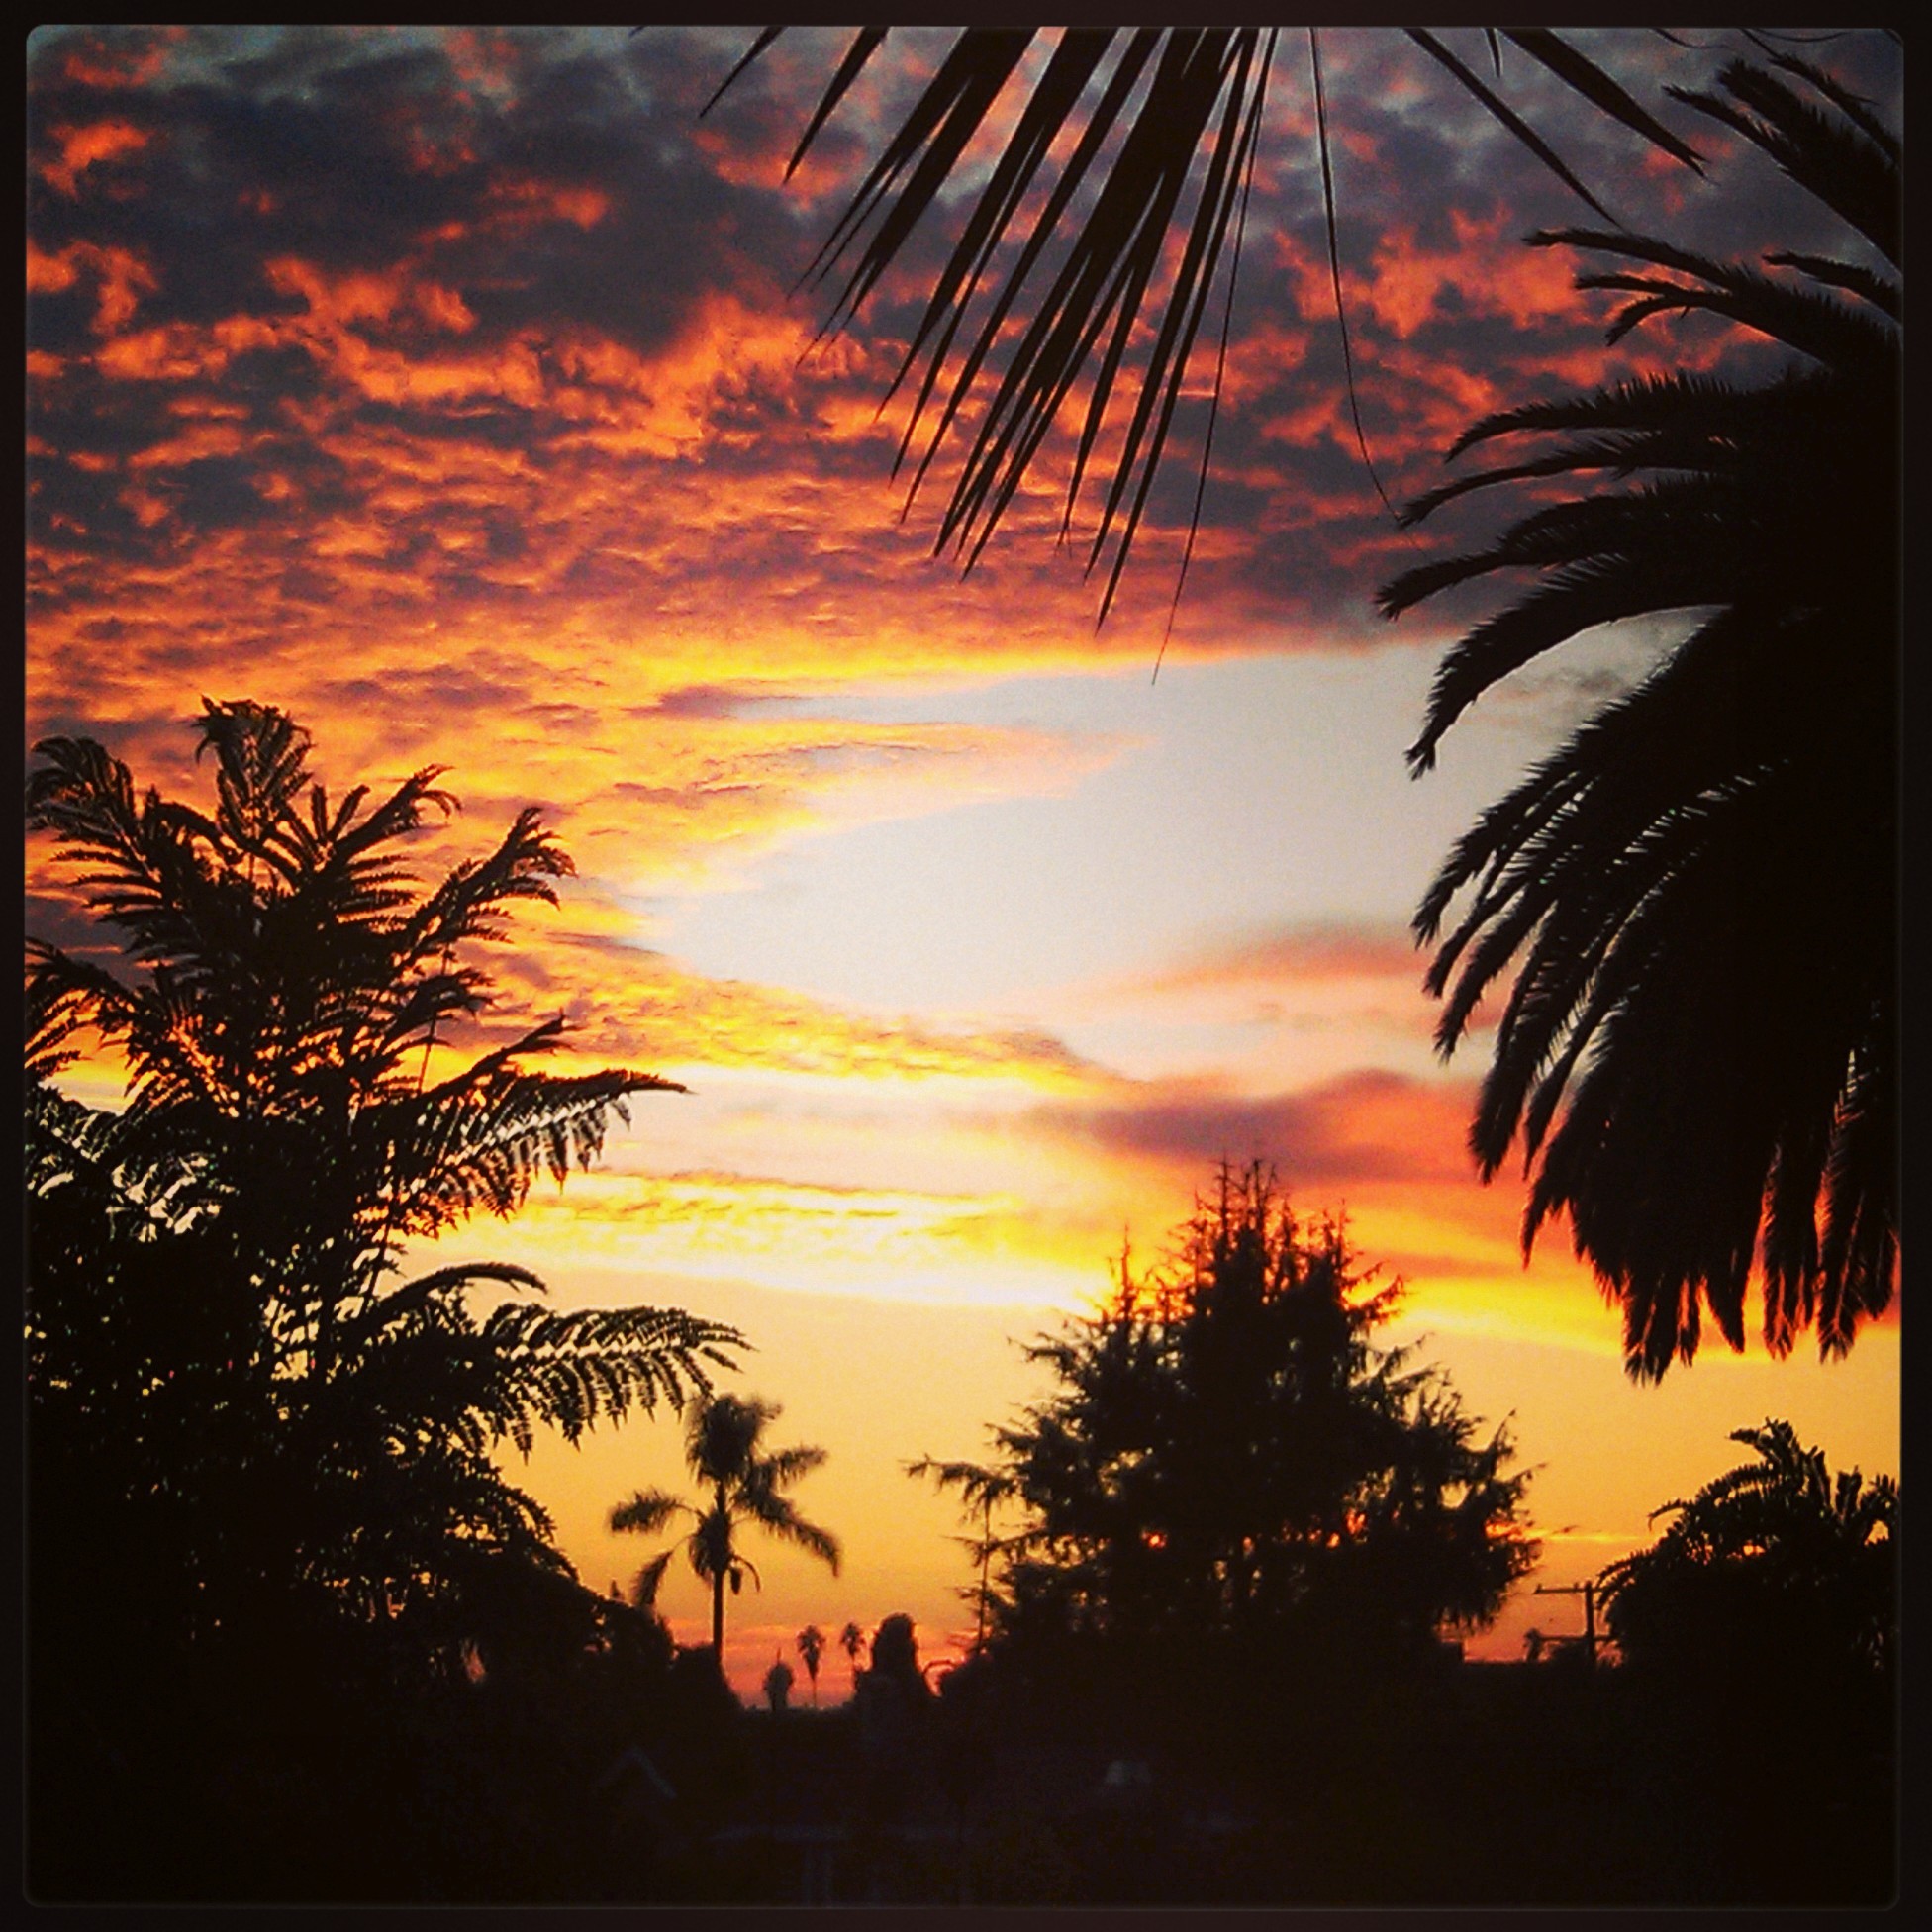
x=243 y=1420
x=1699 y=892
x=746 y=1485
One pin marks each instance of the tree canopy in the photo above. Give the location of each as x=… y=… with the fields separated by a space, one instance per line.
x=1778 y=1569
x=1697 y=894
x=231 y=1384
x=1229 y=1456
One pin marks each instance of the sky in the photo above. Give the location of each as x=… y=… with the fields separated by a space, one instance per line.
x=454 y=391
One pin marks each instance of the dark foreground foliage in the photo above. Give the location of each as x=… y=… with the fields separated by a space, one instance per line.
x=1697 y=896
x=630 y=1775
x=270 y=1539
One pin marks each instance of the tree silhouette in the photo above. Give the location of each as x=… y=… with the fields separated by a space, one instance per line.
x=1697 y=894
x=895 y=1656
x=744 y=1484
x=1773 y=1568
x=228 y=1383
x=778 y=1683
x=982 y=1490
x=812 y=1646
x=1227 y=1456
x=851 y=1640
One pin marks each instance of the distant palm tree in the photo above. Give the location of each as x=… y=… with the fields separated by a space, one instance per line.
x=1698 y=892
x=982 y=1490
x=852 y=1640
x=745 y=1486
x=1780 y=1542
x=812 y=1646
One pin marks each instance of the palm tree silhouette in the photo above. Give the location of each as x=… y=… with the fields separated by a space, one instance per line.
x=982 y=1488
x=744 y=1484
x=812 y=1646
x=1699 y=892
x=1782 y=1536
x=851 y=1640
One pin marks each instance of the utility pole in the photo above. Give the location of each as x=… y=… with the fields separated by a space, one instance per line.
x=1587 y=1589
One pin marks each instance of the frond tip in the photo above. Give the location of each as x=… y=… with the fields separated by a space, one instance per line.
x=1090 y=246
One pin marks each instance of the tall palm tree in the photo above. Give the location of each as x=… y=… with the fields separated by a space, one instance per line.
x=1698 y=892
x=744 y=1483
x=812 y=1646
x=1704 y=881
x=982 y=1490
x=217 y=1332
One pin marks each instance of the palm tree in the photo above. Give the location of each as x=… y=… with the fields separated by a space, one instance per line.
x=221 y=1351
x=812 y=1646
x=744 y=1483
x=982 y=1490
x=851 y=1640
x=1698 y=891
x=1782 y=1543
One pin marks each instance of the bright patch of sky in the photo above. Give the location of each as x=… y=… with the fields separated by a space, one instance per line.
x=1246 y=795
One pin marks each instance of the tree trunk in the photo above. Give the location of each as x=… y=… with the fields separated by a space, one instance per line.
x=718 y=1592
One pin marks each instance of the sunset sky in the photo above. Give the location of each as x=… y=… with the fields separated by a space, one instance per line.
x=450 y=391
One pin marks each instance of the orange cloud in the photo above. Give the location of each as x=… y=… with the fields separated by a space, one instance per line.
x=123 y=277
x=521 y=201
x=116 y=57
x=82 y=148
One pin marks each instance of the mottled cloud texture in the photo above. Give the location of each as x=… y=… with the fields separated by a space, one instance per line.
x=451 y=390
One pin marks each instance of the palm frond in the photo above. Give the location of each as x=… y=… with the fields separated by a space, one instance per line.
x=644 y=1588
x=1694 y=895
x=778 y=1516
x=1139 y=115
x=1600 y=89
x=648 y=1512
x=1506 y=116
x=1848 y=163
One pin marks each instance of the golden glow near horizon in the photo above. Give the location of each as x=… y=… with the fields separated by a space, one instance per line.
x=451 y=398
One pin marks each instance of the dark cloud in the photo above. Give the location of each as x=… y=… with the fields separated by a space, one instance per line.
x=713 y=701
x=1370 y=1127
